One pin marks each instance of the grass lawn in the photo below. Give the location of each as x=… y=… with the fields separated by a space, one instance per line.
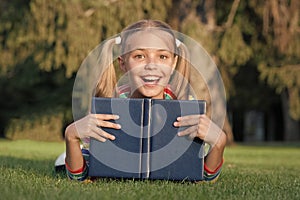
x=249 y=172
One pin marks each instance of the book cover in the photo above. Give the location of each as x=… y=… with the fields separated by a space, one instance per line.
x=147 y=145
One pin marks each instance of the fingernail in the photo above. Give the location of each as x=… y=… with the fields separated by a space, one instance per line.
x=117 y=116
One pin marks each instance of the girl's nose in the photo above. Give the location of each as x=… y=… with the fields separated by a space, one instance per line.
x=151 y=63
x=150 y=66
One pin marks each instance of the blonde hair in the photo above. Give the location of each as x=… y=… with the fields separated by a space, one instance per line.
x=106 y=87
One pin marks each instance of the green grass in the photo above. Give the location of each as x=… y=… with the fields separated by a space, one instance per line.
x=249 y=172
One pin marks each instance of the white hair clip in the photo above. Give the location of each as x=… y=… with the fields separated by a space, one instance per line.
x=118 y=40
x=178 y=43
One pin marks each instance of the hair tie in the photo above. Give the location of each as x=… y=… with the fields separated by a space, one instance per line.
x=178 y=43
x=118 y=40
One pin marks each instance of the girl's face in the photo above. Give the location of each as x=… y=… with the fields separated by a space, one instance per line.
x=149 y=64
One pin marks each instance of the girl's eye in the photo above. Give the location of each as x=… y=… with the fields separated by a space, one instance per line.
x=163 y=57
x=139 y=56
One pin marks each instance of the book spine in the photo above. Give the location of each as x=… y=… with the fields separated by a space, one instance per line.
x=141 y=141
x=149 y=127
x=146 y=139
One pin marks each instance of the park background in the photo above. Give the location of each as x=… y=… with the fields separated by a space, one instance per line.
x=255 y=44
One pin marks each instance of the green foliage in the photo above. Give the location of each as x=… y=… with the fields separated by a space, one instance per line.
x=11 y=17
x=279 y=62
x=61 y=33
x=43 y=44
x=192 y=27
x=234 y=51
x=249 y=172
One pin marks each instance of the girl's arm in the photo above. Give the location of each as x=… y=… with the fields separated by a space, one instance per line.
x=74 y=158
x=214 y=159
x=85 y=128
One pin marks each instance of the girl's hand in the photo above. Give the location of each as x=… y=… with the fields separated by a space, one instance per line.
x=90 y=126
x=199 y=126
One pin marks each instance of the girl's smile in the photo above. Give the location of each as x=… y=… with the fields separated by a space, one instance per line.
x=151 y=80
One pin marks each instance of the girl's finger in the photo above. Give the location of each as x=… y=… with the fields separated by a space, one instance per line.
x=188 y=131
x=108 y=124
x=188 y=120
x=100 y=132
x=106 y=116
x=99 y=138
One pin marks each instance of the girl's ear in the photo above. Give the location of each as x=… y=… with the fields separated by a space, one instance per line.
x=122 y=63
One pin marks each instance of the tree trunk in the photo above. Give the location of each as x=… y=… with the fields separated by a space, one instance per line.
x=291 y=127
x=228 y=130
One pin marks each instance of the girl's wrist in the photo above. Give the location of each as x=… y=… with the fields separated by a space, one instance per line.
x=70 y=134
x=222 y=140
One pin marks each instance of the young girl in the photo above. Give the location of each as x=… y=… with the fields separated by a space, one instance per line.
x=155 y=62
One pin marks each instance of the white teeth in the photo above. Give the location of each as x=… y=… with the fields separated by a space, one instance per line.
x=151 y=78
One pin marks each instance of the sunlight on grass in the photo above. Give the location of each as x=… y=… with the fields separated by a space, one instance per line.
x=249 y=172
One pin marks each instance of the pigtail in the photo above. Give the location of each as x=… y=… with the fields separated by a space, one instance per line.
x=180 y=80
x=107 y=77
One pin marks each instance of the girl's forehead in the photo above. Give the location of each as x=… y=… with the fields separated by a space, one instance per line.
x=154 y=39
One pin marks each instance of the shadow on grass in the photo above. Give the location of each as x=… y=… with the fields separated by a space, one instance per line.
x=43 y=168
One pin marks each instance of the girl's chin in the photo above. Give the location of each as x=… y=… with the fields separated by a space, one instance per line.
x=152 y=91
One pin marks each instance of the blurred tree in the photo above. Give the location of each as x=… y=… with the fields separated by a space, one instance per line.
x=61 y=33
x=56 y=36
x=43 y=43
x=280 y=66
x=263 y=35
x=200 y=20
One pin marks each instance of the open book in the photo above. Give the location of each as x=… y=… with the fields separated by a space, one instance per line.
x=147 y=145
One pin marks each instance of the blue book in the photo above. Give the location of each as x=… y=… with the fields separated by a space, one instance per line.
x=147 y=145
